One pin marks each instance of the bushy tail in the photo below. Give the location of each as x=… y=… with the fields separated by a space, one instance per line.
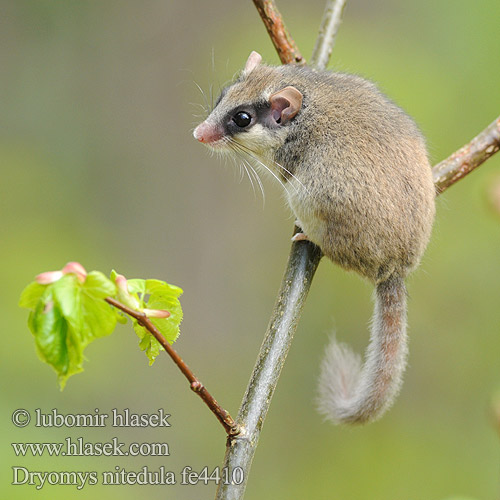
x=352 y=393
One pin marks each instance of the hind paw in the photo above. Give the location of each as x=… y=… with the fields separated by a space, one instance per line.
x=300 y=237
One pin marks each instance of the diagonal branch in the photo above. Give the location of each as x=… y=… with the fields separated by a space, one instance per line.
x=288 y=51
x=196 y=386
x=327 y=33
x=302 y=264
x=467 y=158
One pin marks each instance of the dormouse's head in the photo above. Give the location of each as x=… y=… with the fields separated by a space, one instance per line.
x=252 y=113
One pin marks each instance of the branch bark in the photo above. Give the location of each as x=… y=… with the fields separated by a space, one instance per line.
x=288 y=51
x=302 y=264
x=327 y=33
x=467 y=158
x=222 y=415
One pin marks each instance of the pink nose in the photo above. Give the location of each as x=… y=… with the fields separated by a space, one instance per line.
x=207 y=133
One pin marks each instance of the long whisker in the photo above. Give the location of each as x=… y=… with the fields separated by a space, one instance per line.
x=257 y=178
x=261 y=186
x=240 y=152
x=252 y=154
x=245 y=166
x=242 y=168
x=259 y=162
x=291 y=175
x=251 y=180
x=211 y=93
x=197 y=104
x=207 y=105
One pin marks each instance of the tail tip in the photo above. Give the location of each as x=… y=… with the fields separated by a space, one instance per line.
x=339 y=379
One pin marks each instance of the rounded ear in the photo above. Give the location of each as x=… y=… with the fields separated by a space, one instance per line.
x=254 y=59
x=285 y=104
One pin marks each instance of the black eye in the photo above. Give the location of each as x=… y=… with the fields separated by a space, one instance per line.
x=242 y=119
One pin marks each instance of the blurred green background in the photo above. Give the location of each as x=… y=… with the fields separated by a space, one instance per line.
x=98 y=164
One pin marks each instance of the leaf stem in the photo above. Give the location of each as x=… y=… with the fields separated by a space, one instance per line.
x=231 y=428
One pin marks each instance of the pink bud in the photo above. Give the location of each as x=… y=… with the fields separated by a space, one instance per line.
x=156 y=313
x=49 y=277
x=121 y=283
x=75 y=268
x=124 y=296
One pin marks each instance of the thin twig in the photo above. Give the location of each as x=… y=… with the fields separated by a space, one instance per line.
x=327 y=32
x=222 y=415
x=467 y=158
x=288 y=51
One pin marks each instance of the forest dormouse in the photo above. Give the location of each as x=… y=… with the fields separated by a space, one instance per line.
x=357 y=178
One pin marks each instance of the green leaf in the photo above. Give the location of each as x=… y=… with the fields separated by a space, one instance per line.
x=99 y=318
x=148 y=343
x=153 y=350
x=121 y=317
x=67 y=293
x=54 y=338
x=136 y=286
x=112 y=275
x=50 y=330
x=31 y=295
x=165 y=296
x=98 y=285
x=83 y=306
x=157 y=294
x=66 y=316
x=162 y=288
